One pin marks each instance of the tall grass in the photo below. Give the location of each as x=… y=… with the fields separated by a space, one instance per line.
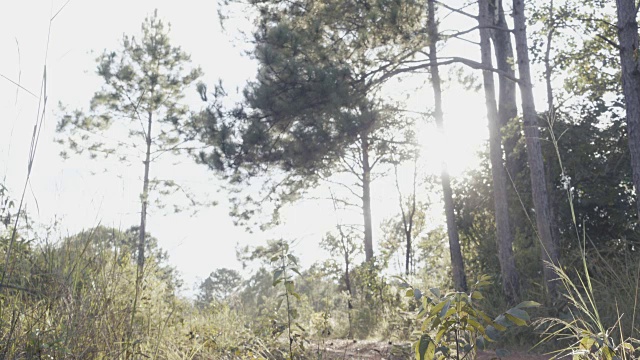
x=586 y=333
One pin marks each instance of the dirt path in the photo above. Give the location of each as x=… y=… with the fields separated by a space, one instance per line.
x=372 y=350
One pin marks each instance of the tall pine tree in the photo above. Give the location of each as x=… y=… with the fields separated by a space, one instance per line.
x=144 y=84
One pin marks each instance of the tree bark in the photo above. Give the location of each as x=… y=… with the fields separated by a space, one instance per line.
x=549 y=248
x=507 y=104
x=142 y=233
x=628 y=45
x=457 y=264
x=510 y=281
x=347 y=281
x=366 y=197
x=144 y=200
x=548 y=69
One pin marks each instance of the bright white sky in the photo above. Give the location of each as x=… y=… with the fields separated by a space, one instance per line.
x=69 y=192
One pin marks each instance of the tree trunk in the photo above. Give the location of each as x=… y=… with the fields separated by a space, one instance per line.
x=366 y=197
x=548 y=69
x=144 y=199
x=628 y=39
x=549 y=248
x=510 y=281
x=347 y=283
x=407 y=219
x=407 y=260
x=457 y=264
x=145 y=203
x=551 y=111
x=507 y=104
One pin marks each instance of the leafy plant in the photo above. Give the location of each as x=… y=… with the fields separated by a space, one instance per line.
x=452 y=325
x=286 y=264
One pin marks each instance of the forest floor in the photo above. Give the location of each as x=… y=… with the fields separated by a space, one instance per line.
x=372 y=350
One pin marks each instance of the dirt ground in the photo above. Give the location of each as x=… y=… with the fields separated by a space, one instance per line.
x=371 y=350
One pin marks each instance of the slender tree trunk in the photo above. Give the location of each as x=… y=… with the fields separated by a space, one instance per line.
x=628 y=39
x=366 y=197
x=142 y=232
x=145 y=203
x=347 y=283
x=457 y=264
x=549 y=248
x=407 y=219
x=548 y=69
x=407 y=260
x=507 y=104
x=551 y=111
x=510 y=281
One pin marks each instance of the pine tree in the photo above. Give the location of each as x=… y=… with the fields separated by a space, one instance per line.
x=314 y=102
x=144 y=83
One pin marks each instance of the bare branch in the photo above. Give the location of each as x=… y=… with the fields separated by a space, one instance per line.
x=609 y=41
x=448 y=61
x=459 y=11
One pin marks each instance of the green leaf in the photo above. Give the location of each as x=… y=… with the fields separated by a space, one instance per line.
x=425 y=348
x=276 y=275
x=516 y=320
x=476 y=325
x=422 y=312
x=498 y=326
x=502 y=320
x=435 y=291
x=440 y=334
x=289 y=286
x=437 y=307
x=607 y=353
x=527 y=304
x=449 y=313
x=520 y=314
x=477 y=295
x=443 y=310
x=587 y=342
x=409 y=293
x=484 y=317
x=417 y=294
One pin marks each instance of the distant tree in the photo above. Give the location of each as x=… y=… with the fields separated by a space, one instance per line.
x=6 y=204
x=343 y=248
x=144 y=83
x=409 y=227
x=218 y=285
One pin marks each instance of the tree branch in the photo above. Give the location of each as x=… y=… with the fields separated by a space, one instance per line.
x=609 y=41
x=448 y=61
x=462 y=12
